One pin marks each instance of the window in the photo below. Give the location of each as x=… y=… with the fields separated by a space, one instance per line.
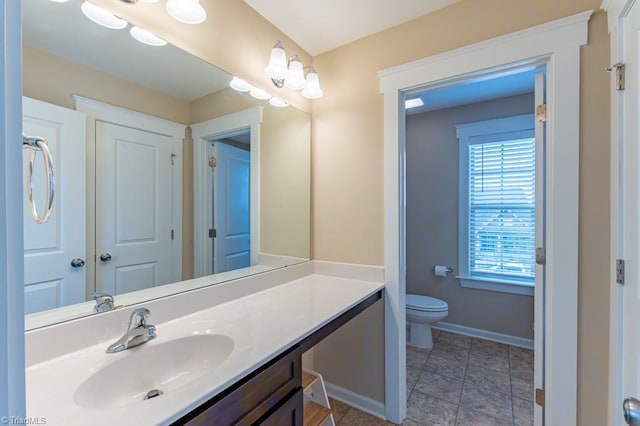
x=497 y=204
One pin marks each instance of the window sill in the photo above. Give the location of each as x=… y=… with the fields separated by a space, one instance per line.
x=502 y=286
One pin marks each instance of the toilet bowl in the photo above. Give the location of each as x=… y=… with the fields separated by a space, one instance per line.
x=422 y=311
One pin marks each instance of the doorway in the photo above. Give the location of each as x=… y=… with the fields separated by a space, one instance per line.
x=471 y=207
x=557 y=46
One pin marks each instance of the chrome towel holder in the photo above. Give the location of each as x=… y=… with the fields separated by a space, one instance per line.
x=34 y=144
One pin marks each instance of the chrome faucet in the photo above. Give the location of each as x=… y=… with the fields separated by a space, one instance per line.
x=104 y=302
x=138 y=332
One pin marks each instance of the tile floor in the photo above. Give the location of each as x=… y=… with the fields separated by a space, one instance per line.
x=461 y=381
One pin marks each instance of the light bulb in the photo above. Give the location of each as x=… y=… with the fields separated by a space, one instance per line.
x=146 y=37
x=295 y=78
x=187 y=11
x=102 y=17
x=277 y=68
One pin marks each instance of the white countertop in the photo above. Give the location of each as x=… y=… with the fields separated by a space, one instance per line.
x=262 y=325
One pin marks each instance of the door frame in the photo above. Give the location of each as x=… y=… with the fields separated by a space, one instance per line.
x=12 y=361
x=202 y=133
x=96 y=110
x=617 y=11
x=559 y=43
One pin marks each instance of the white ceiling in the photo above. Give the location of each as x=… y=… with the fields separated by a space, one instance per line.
x=322 y=25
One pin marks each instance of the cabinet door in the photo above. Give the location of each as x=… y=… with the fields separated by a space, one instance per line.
x=288 y=414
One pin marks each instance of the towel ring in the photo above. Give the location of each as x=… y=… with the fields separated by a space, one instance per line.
x=34 y=144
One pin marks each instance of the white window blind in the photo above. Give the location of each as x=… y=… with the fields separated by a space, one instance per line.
x=502 y=209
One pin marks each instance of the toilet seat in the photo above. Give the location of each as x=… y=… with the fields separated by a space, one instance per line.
x=425 y=303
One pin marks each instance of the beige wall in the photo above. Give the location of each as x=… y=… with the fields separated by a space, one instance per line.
x=347 y=169
x=432 y=218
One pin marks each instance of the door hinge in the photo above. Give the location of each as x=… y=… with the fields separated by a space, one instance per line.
x=619 y=67
x=540 y=397
x=213 y=161
x=172 y=235
x=541 y=113
x=620 y=271
x=212 y=233
x=541 y=256
x=173 y=159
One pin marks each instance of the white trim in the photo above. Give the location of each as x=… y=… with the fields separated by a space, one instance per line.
x=202 y=132
x=616 y=11
x=507 y=339
x=557 y=45
x=97 y=110
x=362 y=403
x=12 y=355
x=513 y=287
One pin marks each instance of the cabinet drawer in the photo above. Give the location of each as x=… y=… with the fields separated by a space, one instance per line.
x=288 y=414
x=251 y=398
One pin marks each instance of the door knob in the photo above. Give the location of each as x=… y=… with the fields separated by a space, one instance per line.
x=76 y=262
x=105 y=257
x=631 y=410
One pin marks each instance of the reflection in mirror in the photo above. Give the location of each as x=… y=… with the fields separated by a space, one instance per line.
x=164 y=175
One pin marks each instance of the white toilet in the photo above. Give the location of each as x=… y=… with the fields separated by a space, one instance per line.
x=422 y=311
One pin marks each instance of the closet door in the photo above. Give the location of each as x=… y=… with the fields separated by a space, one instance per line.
x=133 y=209
x=49 y=249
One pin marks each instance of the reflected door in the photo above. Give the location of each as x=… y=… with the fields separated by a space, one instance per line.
x=49 y=249
x=231 y=245
x=133 y=209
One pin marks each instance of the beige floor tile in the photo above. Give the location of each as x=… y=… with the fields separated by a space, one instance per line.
x=428 y=410
x=522 y=412
x=454 y=339
x=355 y=417
x=443 y=387
x=493 y=362
x=468 y=417
x=522 y=384
x=338 y=409
x=489 y=347
x=487 y=402
x=417 y=357
x=488 y=379
x=446 y=365
x=412 y=378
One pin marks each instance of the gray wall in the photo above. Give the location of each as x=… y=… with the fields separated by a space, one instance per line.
x=432 y=219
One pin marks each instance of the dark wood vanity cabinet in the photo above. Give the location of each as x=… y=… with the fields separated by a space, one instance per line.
x=271 y=395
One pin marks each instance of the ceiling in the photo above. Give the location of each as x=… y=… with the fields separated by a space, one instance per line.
x=320 y=26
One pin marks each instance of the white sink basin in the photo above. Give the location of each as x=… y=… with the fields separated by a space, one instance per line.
x=164 y=367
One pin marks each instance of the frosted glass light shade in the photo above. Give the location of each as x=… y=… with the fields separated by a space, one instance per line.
x=295 y=78
x=59 y=1
x=277 y=68
x=239 y=85
x=259 y=94
x=102 y=17
x=312 y=88
x=277 y=102
x=187 y=11
x=146 y=37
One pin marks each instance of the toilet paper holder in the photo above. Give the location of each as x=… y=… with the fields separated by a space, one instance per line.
x=448 y=270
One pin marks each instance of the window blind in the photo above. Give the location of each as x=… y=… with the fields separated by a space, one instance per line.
x=502 y=209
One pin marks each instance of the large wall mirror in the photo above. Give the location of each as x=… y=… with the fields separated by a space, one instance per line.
x=166 y=178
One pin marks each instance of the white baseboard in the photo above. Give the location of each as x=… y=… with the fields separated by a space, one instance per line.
x=362 y=403
x=508 y=339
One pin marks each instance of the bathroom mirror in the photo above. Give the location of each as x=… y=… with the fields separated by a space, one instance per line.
x=69 y=63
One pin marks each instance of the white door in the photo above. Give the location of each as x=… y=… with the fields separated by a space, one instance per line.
x=231 y=245
x=50 y=279
x=133 y=209
x=630 y=315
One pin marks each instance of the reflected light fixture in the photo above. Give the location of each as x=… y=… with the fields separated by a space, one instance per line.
x=59 y=1
x=277 y=102
x=102 y=17
x=290 y=73
x=413 y=103
x=242 y=86
x=259 y=94
x=186 y=11
x=146 y=37
x=239 y=85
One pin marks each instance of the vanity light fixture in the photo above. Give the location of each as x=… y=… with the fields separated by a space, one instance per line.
x=146 y=37
x=186 y=11
x=290 y=73
x=277 y=102
x=242 y=86
x=102 y=17
x=239 y=85
x=259 y=94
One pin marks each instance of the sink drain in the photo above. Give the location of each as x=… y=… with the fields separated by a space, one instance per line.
x=152 y=394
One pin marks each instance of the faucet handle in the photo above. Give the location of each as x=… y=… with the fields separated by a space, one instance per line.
x=139 y=317
x=104 y=302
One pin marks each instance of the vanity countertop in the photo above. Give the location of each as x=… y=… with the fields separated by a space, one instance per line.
x=262 y=325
